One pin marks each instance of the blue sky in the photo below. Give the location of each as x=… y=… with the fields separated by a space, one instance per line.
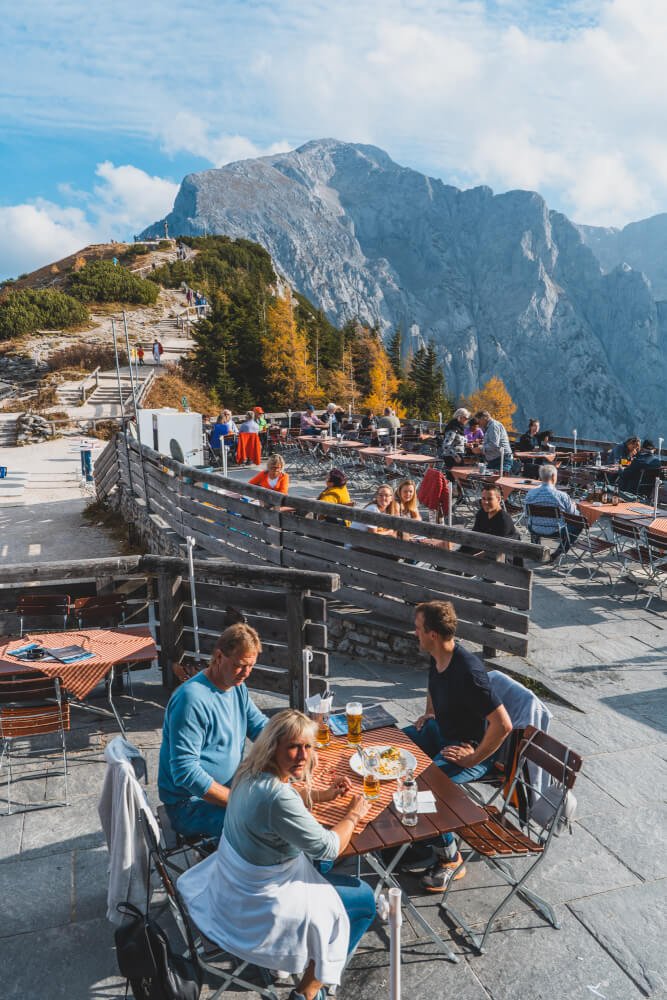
x=104 y=108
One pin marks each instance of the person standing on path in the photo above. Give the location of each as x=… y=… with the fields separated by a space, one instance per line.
x=157 y=352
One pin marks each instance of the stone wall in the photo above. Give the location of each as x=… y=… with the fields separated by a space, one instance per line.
x=359 y=635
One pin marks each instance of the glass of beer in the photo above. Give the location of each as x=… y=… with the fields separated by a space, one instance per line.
x=353 y=711
x=323 y=733
x=371 y=762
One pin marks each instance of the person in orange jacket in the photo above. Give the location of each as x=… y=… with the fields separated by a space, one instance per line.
x=273 y=477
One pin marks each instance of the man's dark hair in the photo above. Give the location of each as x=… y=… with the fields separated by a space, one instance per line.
x=235 y=636
x=439 y=616
x=633 y=442
x=492 y=488
x=482 y=415
x=648 y=445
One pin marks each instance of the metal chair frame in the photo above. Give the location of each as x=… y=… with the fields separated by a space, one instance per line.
x=585 y=545
x=202 y=951
x=40 y=605
x=32 y=706
x=508 y=835
x=656 y=546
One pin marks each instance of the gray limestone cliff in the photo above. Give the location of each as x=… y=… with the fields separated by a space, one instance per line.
x=503 y=285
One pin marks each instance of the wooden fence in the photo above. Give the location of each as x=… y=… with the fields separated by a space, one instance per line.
x=384 y=575
x=277 y=602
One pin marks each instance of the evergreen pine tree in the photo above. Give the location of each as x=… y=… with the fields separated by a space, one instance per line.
x=394 y=352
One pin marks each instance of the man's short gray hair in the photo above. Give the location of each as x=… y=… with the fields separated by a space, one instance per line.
x=548 y=472
x=483 y=415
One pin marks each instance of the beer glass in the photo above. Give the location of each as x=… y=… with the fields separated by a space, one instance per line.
x=353 y=711
x=323 y=736
x=371 y=761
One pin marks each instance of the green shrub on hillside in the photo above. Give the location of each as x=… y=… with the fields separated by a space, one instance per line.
x=39 y=309
x=103 y=281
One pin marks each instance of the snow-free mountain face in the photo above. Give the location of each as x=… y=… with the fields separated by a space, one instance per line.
x=503 y=285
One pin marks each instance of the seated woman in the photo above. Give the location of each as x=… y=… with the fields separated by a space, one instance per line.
x=384 y=503
x=530 y=441
x=259 y=896
x=406 y=504
x=274 y=476
x=335 y=489
x=474 y=435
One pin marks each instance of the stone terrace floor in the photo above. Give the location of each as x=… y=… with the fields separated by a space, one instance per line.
x=606 y=658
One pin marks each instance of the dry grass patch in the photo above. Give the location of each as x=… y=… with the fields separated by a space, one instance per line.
x=170 y=388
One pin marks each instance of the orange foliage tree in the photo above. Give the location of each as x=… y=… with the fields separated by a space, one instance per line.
x=289 y=376
x=495 y=398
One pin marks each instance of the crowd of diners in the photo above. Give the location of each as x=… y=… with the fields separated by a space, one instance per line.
x=271 y=892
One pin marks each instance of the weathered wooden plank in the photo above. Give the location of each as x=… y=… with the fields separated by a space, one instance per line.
x=264 y=515
x=72 y=569
x=171 y=639
x=296 y=639
x=227 y=542
x=214 y=571
x=514 y=576
x=388 y=567
x=271 y=629
x=272 y=655
x=230 y=521
x=413 y=592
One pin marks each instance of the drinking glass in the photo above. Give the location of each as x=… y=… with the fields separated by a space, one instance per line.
x=353 y=711
x=323 y=737
x=371 y=762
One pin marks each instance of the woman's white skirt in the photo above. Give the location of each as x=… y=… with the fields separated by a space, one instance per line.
x=276 y=916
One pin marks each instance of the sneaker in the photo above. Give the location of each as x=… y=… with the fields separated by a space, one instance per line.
x=438 y=876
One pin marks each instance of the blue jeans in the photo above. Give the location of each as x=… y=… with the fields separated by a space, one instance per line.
x=511 y=466
x=566 y=535
x=194 y=816
x=430 y=740
x=359 y=902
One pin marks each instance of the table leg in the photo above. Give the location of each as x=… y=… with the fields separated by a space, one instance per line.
x=387 y=878
x=111 y=704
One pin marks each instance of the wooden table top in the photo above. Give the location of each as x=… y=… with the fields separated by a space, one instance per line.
x=537 y=454
x=592 y=511
x=409 y=457
x=110 y=646
x=383 y=827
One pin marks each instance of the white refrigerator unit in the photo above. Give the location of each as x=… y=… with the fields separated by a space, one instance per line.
x=178 y=435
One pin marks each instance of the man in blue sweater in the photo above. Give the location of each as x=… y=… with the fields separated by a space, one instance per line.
x=205 y=728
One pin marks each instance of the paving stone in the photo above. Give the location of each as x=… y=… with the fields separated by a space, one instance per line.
x=74 y=962
x=591 y=799
x=614 y=732
x=531 y=960
x=554 y=658
x=634 y=777
x=620 y=650
x=73 y=827
x=637 y=944
x=561 y=730
x=639 y=838
x=91 y=879
x=425 y=972
x=45 y=896
x=82 y=775
x=11 y=831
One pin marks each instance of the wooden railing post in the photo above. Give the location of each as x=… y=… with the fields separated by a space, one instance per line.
x=296 y=621
x=171 y=632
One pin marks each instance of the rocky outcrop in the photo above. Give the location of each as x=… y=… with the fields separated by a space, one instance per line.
x=503 y=285
x=31 y=429
x=642 y=245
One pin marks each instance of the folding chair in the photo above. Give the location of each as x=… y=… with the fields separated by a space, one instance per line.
x=202 y=951
x=31 y=706
x=103 y=609
x=584 y=545
x=548 y=512
x=40 y=606
x=656 y=546
x=175 y=844
x=631 y=551
x=508 y=833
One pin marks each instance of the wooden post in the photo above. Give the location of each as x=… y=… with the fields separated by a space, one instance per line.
x=171 y=643
x=296 y=620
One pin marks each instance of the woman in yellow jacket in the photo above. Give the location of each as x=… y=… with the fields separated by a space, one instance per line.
x=336 y=488
x=273 y=477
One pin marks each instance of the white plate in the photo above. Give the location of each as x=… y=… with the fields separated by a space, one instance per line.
x=356 y=765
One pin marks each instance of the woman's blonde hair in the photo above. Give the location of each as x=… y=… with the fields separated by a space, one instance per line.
x=412 y=506
x=288 y=724
x=275 y=460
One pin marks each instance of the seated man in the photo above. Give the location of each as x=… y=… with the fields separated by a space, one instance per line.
x=389 y=421
x=495 y=443
x=642 y=472
x=205 y=728
x=464 y=724
x=249 y=425
x=491 y=519
x=310 y=423
x=330 y=418
x=548 y=527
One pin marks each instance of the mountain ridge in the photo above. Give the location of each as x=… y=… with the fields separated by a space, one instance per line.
x=501 y=283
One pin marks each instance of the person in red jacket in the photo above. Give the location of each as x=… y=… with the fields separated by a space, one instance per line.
x=273 y=476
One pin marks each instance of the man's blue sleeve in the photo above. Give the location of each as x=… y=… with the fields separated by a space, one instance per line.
x=186 y=737
x=256 y=719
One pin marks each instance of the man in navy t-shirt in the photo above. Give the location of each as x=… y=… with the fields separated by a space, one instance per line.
x=464 y=723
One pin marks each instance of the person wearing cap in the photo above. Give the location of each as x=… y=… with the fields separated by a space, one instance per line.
x=260 y=419
x=310 y=423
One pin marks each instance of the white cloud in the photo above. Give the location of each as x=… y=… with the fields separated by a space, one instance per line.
x=189 y=133
x=126 y=201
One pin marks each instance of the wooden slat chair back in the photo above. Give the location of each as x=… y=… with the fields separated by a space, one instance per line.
x=202 y=951
x=40 y=606
x=29 y=707
x=103 y=609
x=506 y=833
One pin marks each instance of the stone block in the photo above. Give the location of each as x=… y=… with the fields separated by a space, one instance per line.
x=11 y=830
x=638 y=837
x=68 y=828
x=91 y=879
x=35 y=894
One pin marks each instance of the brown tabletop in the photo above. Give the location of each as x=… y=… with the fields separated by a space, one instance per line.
x=592 y=511
x=110 y=646
x=511 y=484
x=382 y=827
x=538 y=454
x=408 y=457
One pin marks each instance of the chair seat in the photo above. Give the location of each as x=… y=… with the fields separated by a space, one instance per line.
x=497 y=835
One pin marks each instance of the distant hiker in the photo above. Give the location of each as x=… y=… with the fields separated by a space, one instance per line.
x=157 y=351
x=140 y=355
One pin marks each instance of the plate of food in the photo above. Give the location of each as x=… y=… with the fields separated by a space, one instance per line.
x=391 y=760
